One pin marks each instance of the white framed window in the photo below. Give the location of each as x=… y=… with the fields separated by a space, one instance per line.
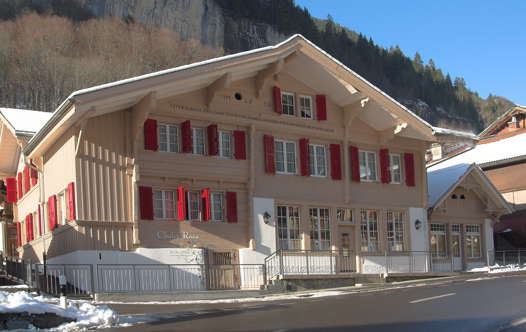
x=225 y=144
x=62 y=208
x=168 y=138
x=318 y=160
x=216 y=206
x=306 y=107
x=193 y=199
x=198 y=141
x=345 y=216
x=437 y=240
x=165 y=204
x=287 y=103
x=395 y=165
x=472 y=237
x=288 y=228
x=368 y=169
x=285 y=152
x=320 y=234
x=369 y=230
x=395 y=231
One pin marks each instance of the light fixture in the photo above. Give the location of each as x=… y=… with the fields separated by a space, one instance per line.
x=267 y=218
x=418 y=224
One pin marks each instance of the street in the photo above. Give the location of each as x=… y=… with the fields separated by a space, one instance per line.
x=478 y=304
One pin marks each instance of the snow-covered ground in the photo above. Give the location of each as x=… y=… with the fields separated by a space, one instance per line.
x=499 y=269
x=86 y=314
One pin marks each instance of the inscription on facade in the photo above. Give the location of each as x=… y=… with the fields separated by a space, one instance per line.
x=162 y=235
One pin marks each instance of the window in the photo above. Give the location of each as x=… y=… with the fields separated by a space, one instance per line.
x=473 y=241
x=344 y=215
x=395 y=231
x=165 y=204
x=320 y=234
x=285 y=157
x=287 y=103
x=368 y=166
x=288 y=228
x=168 y=138
x=306 y=107
x=194 y=205
x=62 y=208
x=318 y=160
x=198 y=141
x=437 y=240
x=369 y=230
x=455 y=240
x=217 y=206
x=225 y=144
x=395 y=163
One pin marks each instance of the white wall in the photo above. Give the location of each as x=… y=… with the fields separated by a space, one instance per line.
x=419 y=238
x=264 y=234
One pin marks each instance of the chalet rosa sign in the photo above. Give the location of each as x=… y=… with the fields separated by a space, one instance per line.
x=162 y=235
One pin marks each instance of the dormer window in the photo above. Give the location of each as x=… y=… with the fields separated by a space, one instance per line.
x=287 y=103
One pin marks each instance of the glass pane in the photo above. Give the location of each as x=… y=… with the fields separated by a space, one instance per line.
x=371 y=161
x=291 y=157
x=169 y=204
x=363 y=166
x=280 y=156
x=312 y=159
x=320 y=161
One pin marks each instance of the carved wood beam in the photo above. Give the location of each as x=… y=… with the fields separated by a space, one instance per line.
x=351 y=111
x=263 y=76
x=82 y=131
x=388 y=134
x=140 y=113
x=221 y=83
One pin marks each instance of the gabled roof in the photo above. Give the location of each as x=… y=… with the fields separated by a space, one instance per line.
x=343 y=85
x=497 y=152
x=442 y=181
x=504 y=117
x=24 y=122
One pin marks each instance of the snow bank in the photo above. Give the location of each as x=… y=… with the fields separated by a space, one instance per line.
x=499 y=269
x=86 y=314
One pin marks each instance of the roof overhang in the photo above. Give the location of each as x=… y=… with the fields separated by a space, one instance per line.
x=503 y=118
x=296 y=54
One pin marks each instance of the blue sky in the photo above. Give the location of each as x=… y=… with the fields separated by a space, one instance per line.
x=482 y=41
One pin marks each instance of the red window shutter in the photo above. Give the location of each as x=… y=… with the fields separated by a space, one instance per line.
x=205 y=197
x=181 y=203
x=52 y=211
x=321 y=107
x=240 y=148
x=27 y=184
x=19 y=184
x=304 y=157
x=355 y=164
x=186 y=137
x=336 y=162
x=32 y=232
x=231 y=206
x=150 y=135
x=18 y=235
x=270 y=164
x=146 y=202
x=11 y=190
x=71 y=201
x=39 y=220
x=409 y=163
x=213 y=140
x=34 y=174
x=384 y=166
x=277 y=100
x=28 y=229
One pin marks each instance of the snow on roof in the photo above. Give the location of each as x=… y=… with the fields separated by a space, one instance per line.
x=440 y=180
x=445 y=131
x=482 y=154
x=25 y=121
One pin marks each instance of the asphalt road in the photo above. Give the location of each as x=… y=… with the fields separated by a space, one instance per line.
x=479 y=304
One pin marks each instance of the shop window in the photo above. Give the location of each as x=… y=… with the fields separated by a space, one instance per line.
x=437 y=240
x=369 y=230
x=320 y=235
x=472 y=237
x=395 y=231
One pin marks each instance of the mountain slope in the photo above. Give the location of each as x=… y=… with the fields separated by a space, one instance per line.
x=238 y=25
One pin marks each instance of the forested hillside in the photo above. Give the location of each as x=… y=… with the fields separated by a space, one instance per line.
x=80 y=43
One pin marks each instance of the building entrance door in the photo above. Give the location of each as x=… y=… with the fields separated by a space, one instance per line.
x=223 y=270
x=456 y=247
x=346 y=257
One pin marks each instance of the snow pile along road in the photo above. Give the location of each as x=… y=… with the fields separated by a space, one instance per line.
x=500 y=269
x=85 y=314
